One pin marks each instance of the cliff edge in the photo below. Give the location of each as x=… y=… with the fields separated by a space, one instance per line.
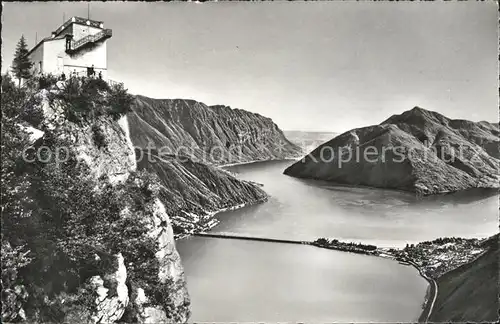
x=85 y=236
x=194 y=192
x=210 y=134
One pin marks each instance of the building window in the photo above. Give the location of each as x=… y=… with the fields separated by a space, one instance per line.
x=40 y=67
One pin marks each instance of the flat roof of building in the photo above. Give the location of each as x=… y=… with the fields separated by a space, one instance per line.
x=80 y=21
x=60 y=29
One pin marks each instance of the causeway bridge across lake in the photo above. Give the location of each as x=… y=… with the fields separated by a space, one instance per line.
x=250 y=238
x=433 y=286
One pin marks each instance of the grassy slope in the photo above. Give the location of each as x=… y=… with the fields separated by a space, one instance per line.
x=470 y=292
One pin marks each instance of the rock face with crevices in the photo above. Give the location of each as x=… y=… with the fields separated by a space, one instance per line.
x=418 y=151
x=182 y=140
x=210 y=134
x=193 y=192
x=170 y=274
x=111 y=308
x=146 y=287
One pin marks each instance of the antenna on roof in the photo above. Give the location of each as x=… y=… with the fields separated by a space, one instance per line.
x=64 y=17
x=36 y=38
x=88 y=11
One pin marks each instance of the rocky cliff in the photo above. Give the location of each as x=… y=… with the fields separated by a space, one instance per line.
x=211 y=134
x=470 y=293
x=85 y=235
x=183 y=140
x=419 y=151
x=193 y=192
x=128 y=199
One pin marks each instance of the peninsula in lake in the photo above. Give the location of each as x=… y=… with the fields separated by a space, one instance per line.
x=419 y=151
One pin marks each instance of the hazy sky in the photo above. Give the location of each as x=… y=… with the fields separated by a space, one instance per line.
x=326 y=66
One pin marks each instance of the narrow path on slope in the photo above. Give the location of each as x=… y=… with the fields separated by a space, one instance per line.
x=429 y=305
x=433 y=300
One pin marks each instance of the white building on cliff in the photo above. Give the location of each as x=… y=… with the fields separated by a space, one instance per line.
x=73 y=47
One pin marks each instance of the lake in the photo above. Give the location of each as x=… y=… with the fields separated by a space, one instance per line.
x=232 y=280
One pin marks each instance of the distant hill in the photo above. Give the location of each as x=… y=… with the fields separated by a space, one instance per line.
x=211 y=134
x=308 y=141
x=470 y=293
x=419 y=151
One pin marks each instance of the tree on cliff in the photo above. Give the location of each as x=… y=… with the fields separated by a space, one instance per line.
x=21 y=64
x=61 y=227
x=13 y=202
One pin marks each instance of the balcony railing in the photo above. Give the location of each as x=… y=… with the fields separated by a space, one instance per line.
x=90 y=39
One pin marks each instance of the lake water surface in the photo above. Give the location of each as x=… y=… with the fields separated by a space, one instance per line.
x=242 y=281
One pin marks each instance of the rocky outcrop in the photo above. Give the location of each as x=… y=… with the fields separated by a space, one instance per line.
x=127 y=286
x=180 y=140
x=419 y=151
x=193 y=192
x=146 y=286
x=111 y=308
x=210 y=134
x=170 y=274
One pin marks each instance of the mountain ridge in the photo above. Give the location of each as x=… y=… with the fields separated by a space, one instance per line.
x=186 y=137
x=426 y=153
x=215 y=134
x=194 y=192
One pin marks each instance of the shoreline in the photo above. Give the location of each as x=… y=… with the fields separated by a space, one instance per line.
x=414 y=192
x=222 y=166
x=430 y=296
x=211 y=222
x=432 y=289
x=431 y=292
x=209 y=217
